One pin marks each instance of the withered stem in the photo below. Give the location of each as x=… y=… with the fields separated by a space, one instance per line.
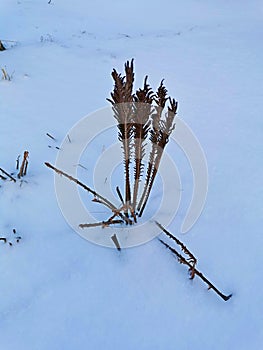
x=196 y=272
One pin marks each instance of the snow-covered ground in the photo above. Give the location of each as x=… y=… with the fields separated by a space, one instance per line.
x=59 y=291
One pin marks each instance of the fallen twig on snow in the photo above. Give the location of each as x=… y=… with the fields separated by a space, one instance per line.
x=116 y=242
x=102 y=223
x=192 y=269
x=8 y=175
x=97 y=197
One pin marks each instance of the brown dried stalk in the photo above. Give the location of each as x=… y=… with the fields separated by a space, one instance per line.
x=101 y=223
x=166 y=128
x=121 y=100
x=116 y=242
x=120 y=195
x=97 y=196
x=192 y=269
x=192 y=259
x=23 y=168
x=102 y=199
x=160 y=99
x=143 y=100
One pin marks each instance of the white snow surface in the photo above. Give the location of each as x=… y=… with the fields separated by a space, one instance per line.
x=59 y=291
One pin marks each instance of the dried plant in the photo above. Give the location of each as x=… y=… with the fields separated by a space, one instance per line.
x=140 y=121
x=191 y=261
x=160 y=99
x=140 y=115
x=24 y=165
x=97 y=198
x=160 y=138
x=140 y=118
x=121 y=99
x=116 y=242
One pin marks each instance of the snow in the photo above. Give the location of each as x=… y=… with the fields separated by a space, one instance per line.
x=59 y=291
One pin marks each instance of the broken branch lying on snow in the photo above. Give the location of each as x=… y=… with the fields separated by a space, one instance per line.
x=192 y=259
x=8 y=175
x=190 y=263
x=101 y=223
x=116 y=242
x=97 y=197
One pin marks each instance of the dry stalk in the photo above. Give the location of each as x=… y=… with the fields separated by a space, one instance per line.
x=191 y=262
x=192 y=259
x=116 y=242
x=103 y=224
x=97 y=197
x=137 y=117
x=143 y=100
x=121 y=99
x=165 y=129
x=23 y=168
x=160 y=99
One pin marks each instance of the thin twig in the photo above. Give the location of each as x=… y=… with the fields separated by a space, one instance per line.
x=101 y=223
x=192 y=258
x=53 y=138
x=116 y=242
x=101 y=199
x=120 y=195
x=4 y=172
x=182 y=260
x=60 y=172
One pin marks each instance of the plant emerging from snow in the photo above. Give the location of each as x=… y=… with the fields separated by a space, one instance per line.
x=141 y=120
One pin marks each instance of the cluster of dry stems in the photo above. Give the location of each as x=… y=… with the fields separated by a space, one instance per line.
x=141 y=118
